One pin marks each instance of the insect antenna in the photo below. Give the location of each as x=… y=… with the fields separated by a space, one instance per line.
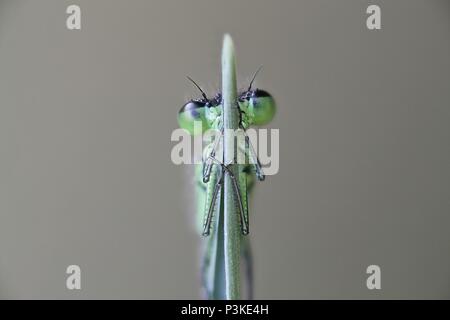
x=253 y=79
x=198 y=87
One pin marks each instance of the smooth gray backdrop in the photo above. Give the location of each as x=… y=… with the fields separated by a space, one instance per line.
x=85 y=124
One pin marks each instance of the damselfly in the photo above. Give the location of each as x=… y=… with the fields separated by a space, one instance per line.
x=256 y=107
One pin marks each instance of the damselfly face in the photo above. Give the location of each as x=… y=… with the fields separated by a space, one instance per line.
x=256 y=107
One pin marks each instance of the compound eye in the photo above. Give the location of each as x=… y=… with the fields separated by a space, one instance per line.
x=261 y=107
x=193 y=111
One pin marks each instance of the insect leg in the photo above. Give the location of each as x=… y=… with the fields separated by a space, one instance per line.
x=208 y=163
x=207 y=224
x=255 y=160
x=237 y=193
x=243 y=213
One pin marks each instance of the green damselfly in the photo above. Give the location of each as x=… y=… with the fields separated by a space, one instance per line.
x=256 y=107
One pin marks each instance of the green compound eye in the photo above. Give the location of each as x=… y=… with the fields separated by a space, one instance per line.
x=261 y=106
x=191 y=112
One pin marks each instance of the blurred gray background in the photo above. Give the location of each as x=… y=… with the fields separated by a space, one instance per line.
x=85 y=124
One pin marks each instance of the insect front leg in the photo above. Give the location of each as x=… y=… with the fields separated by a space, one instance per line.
x=210 y=154
x=243 y=209
x=250 y=151
x=211 y=204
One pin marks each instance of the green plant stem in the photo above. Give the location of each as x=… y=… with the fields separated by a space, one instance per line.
x=232 y=236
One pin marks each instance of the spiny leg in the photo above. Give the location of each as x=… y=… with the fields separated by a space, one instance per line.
x=207 y=224
x=255 y=159
x=244 y=219
x=211 y=247
x=248 y=145
x=208 y=163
